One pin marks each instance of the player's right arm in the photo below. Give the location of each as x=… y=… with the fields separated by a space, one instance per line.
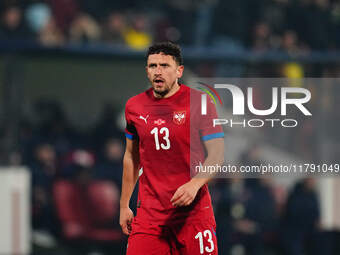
x=129 y=179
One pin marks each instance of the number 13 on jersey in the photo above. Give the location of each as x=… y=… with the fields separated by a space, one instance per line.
x=165 y=142
x=207 y=234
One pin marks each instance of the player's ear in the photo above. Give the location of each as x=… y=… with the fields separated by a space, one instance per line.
x=180 y=70
x=147 y=70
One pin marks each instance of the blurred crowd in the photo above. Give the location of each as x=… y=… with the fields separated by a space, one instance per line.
x=76 y=181
x=295 y=26
x=258 y=216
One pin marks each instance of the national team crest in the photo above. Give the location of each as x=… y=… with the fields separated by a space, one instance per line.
x=179 y=117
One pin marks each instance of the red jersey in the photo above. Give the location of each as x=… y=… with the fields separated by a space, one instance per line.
x=170 y=134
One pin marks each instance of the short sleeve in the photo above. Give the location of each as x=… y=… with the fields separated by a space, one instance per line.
x=206 y=124
x=130 y=130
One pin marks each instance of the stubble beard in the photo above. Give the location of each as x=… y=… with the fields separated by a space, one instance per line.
x=164 y=92
x=161 y=93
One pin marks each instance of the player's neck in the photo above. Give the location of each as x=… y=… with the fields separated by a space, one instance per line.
x=173 y=91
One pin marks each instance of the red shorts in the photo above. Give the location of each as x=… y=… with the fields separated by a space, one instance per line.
x=187 y=238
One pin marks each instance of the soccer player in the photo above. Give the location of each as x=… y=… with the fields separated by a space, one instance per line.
x=164 y=138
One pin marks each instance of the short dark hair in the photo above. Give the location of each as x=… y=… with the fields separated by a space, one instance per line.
x=168 y=48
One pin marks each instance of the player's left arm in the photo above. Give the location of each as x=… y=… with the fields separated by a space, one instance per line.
x=186 y=193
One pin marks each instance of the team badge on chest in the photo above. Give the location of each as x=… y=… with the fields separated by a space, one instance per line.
x=179 y=117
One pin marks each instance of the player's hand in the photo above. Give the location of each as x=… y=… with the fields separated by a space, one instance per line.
x=185 y=194
x=125 y=219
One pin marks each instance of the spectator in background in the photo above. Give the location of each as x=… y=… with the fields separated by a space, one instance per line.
x=84 y=29
x=182 y=17
x=289 y=43
x=79 y=166
x=138 y=36
x=64 y=11
x=165 y=31
x=274 y=13
x=110 y=163
x=44 y=170
x=87 y=208
x=106 y=126
x=262 y=37
x=259 y=224
x=41 y=21
x=12 y=25
x=243 y=223
x=311 y=19
x=230 y=23
x=226 y=195
x=254 y=227
x=54 y=126
x=51 y=35
x=229 y=29
x=301 y=219
x=114 y=28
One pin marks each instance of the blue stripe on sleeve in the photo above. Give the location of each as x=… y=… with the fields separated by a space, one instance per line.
x=129 y=136
x=212 y=136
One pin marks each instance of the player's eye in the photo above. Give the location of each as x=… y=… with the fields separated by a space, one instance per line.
x=152 y=65
x=165 y=65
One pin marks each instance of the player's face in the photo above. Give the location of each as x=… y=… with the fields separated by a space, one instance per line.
x=163 y=73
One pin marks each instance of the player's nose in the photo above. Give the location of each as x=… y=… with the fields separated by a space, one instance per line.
x=158 y=70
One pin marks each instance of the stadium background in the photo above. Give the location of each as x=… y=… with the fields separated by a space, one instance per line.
x=67 y=67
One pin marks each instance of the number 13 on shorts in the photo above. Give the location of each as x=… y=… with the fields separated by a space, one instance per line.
x=205 y=241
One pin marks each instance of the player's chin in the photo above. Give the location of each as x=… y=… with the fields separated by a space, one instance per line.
x=159 y=89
